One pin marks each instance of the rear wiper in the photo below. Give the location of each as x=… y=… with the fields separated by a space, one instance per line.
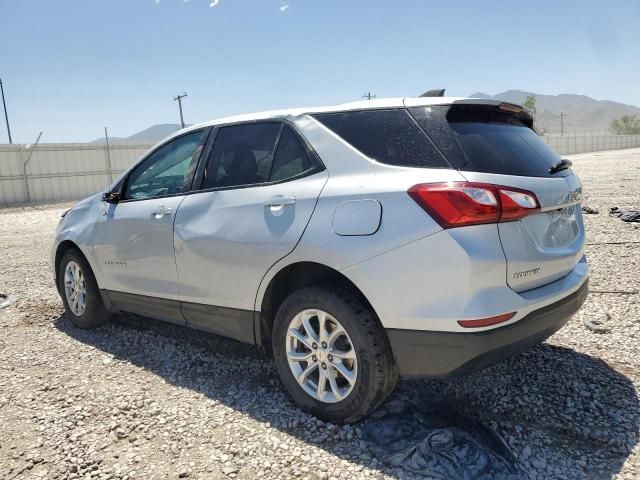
x=560 y=165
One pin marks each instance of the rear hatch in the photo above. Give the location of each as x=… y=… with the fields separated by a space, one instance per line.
x=495 y=143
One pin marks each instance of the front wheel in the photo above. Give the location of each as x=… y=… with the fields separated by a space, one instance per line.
x=79 y=291
x=332 y=355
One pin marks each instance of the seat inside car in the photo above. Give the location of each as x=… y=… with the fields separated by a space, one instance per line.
x=240 y=170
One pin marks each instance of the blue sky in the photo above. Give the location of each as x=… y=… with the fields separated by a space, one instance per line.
x=70 y=67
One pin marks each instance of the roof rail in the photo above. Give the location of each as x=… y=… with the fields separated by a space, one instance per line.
x=438 y=92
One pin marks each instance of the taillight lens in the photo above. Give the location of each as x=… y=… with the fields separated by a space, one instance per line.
x=456 y=204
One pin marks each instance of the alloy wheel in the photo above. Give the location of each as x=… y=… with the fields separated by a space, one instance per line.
x=321 y=356
x=75 y=288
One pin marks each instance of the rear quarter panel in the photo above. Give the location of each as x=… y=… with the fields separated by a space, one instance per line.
x=354 y=177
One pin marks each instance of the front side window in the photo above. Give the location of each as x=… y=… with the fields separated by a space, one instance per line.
x=241 y=155
x=291 y=157
x=168 y=170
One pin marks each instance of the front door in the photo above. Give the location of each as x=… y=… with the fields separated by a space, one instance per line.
x=134 y=237
x=260 y=188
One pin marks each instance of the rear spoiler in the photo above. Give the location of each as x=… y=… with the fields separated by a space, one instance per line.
x=523 y=113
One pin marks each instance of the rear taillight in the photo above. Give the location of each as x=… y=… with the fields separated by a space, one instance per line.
x=456 y=204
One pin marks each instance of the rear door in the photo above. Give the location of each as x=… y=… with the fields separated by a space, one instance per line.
x=259 y=188
x=496 y=144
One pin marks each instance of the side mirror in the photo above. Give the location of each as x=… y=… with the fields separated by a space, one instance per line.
x=111 y=197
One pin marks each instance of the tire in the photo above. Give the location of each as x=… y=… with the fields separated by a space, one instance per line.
x=94 y=314
x=375 y=372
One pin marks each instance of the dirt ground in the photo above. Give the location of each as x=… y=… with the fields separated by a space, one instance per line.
x=143 y=399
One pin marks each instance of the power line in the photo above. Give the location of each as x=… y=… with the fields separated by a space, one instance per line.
x=6 y=117
x=179 y=99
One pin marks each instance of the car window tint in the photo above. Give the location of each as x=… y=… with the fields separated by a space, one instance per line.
x=387 y=136
x=168 y=170
x=241 y=155
x=291 y=158
x=482 y=138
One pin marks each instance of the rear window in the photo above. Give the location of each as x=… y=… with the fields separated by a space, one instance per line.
x=485 y=139
x=387 y=136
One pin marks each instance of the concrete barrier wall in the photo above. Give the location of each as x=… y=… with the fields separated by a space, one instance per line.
x=570 y=144
x=56 y=172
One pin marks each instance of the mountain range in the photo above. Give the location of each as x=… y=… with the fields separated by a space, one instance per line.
x=580 y=114
x=150 y=135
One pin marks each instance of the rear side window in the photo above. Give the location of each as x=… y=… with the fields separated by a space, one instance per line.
x=387 y=136
x=291 y=157
x=484 y=139
x=241 y=155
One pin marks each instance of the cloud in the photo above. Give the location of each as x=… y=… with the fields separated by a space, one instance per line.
x=214 y=3
x=284 y=7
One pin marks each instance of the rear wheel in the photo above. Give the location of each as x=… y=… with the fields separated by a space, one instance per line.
x=332 y=355
x=79 y=291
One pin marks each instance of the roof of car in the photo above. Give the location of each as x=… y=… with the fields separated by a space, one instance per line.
x=377 y=103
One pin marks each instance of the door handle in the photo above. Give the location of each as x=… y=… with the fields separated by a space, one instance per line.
x=280 y=201
x=161 y=212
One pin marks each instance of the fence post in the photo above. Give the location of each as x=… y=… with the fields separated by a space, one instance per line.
x=24 y=168
x=27 y=196
x=109 y=170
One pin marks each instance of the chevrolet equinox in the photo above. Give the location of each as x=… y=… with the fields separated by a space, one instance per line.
x=409 y=237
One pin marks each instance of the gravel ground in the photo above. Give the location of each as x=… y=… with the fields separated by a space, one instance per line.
x=142 y=399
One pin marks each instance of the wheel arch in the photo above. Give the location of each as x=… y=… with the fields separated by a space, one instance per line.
x=293 y=277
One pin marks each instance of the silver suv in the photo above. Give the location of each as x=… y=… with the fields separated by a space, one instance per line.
x=412 y=237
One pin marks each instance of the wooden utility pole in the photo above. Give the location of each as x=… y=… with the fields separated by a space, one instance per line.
x=179 y=99
x=6 y=117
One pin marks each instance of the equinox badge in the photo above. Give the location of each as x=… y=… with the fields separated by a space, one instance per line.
x=526 y=273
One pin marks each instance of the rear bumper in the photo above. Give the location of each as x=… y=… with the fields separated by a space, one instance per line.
x=440 y=354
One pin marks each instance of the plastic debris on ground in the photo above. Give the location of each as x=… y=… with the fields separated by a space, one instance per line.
x=596 y=325
x=433 y=441
x=625 y=215
x=6 y=300
x=590 y=210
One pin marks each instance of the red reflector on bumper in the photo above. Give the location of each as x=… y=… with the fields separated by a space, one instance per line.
x=485 y=322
